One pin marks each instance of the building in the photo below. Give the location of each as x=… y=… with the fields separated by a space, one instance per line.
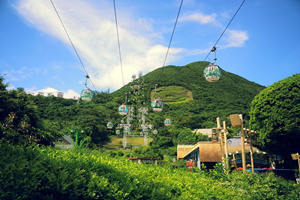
x=202 y=152
x=210 y=153
x=50 y=92
x=64 y=142
x=206 y=131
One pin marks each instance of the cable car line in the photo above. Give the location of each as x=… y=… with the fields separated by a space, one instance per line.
x=173 y=32
x=73 y=46
x=119 y=46
x=214 y=46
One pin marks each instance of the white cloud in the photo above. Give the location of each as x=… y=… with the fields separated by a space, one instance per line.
x=93 y=33
x=199 y=18
x=235 y=38
x=71 y=94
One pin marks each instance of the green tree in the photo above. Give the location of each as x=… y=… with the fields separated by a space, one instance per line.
x=275 y=114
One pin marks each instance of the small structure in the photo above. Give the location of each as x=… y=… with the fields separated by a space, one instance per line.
x=205 y=131
x=145 y=160
x=210 y=153
x=206 y=152
x=65 y=142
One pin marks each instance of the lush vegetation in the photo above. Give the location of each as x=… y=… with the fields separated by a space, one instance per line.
x=46 y=173
x=29 y=171
x=275 y=114
x=191 y=102
x=172 y=94
x=231 y=94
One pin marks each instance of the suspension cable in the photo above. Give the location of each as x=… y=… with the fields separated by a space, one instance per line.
x=119 y=46
x=225 y=28
x=173 y=32
x=72 y=44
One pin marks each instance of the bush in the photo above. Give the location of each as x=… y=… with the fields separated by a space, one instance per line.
x=47 y=173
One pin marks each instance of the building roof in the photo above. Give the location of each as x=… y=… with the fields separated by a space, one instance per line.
x=209 y=151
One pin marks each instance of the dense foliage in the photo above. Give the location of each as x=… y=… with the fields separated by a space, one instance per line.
x=46 y=173
x=19 y=119
x=275 y=114
x=193 y=103
x=231 y=94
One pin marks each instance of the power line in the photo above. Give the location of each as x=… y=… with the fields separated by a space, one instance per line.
x=173 y=32
x=72 y=44
x=225 y=28
x=119 y=46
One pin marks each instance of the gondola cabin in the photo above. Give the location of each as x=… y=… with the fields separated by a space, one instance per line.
x=168 y=122
x=157 y=105
x=127 y=128
x=118 y=132
x=212 y=73
x=86 y=95
x=155 y=131
x=109 y=125
x=145 y=130
x=123 y=110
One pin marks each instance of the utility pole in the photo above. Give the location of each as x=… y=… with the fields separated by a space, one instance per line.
x=219 y=129
x=243 y=144
x=225 y=145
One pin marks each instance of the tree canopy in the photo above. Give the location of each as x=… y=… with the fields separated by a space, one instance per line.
x=275 y=114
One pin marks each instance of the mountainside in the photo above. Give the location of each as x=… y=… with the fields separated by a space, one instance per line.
x=231 y=94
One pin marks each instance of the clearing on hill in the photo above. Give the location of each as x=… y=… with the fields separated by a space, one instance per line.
x=173 y=94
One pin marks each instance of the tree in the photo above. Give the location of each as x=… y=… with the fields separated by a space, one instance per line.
x=275 y=115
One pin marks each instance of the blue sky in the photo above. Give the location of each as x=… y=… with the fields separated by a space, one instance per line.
x=261 y=45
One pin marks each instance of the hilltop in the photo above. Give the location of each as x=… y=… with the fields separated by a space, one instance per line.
x=190 y=99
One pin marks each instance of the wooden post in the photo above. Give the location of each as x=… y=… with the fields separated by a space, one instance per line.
x=234 y=161
x=298 y=161
x=225 y=145
x=218 y=123
x=251 y=152
x=243 y=144
x=220 y=138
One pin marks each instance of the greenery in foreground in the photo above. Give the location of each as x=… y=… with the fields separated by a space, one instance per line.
x=47 y=173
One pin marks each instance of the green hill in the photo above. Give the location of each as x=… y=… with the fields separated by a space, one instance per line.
x=172 y=94
x=231 y=94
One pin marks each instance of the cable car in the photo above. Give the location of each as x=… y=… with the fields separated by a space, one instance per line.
x=212 y=73
x=118 y=132
x=127 y=127
x=145 y=130
x=157 y=105
x=123 y=109
x=109 y=125
x=155 y=131
x=168 y=122
x=86 y=95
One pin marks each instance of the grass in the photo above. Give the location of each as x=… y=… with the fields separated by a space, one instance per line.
x=173 y=94
x=116 y=142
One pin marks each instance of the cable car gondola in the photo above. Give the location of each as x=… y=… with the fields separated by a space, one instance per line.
x=123 y=109
x=168 y=122
x=157 y=105
x=86 y=94
x=155 y=132
x=212 y=72
x=109 y=125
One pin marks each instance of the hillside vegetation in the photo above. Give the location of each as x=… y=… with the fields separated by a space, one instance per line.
x=47 y=173
x=172 y=94
x=231 y=94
